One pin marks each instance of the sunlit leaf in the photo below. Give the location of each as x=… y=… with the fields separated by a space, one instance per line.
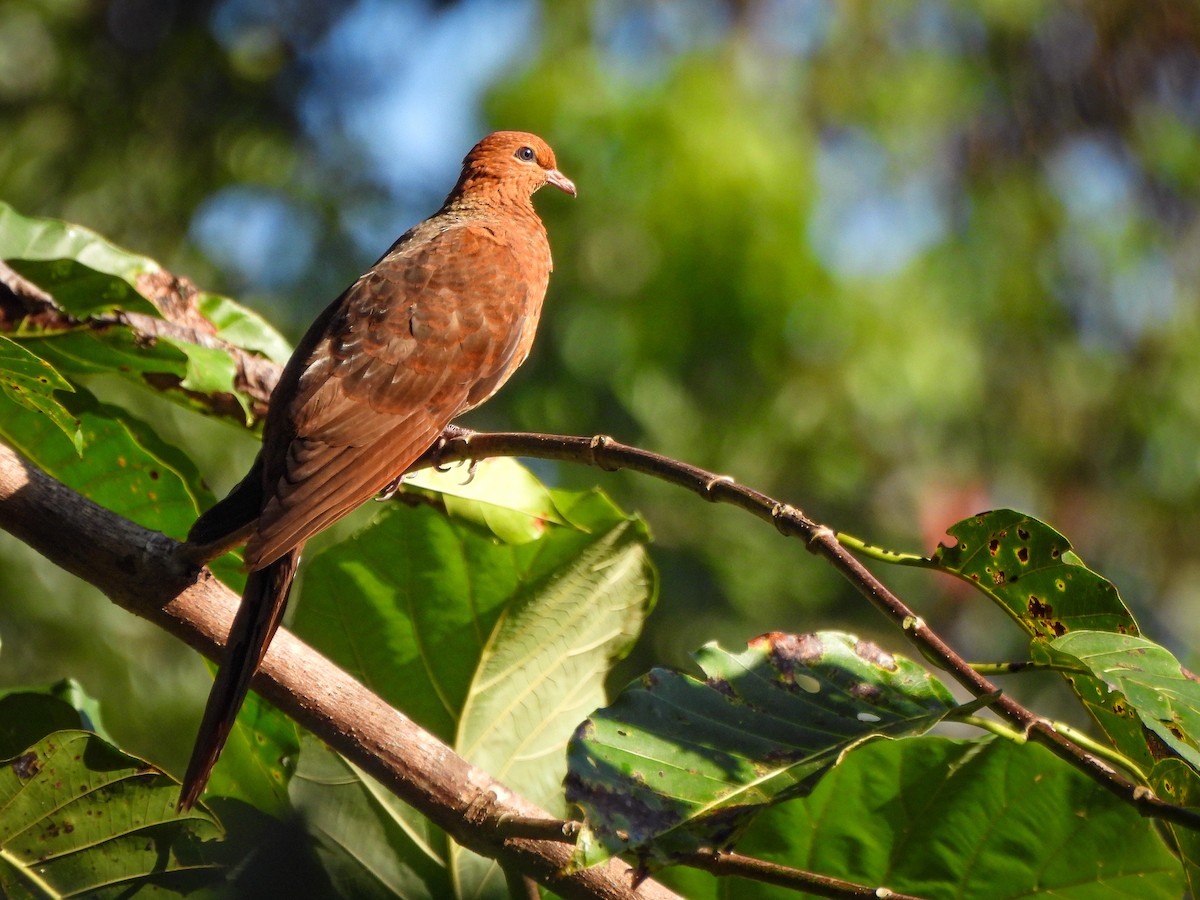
x=86 y=276
x=82 y=818
x=498 y=648
x=676 y=764
x=127 y=467
x=1139 y=675
x=243 y=327
x=27 y=238
x=500 y=494
x=210 y=370
x=1030 y=570
x=31 y=381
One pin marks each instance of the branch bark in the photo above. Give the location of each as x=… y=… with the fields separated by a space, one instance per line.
x=144 y=572
x=24 y=304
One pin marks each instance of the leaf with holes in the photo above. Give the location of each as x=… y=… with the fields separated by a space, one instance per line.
x=1176 y=782
x=677 y=764
x=1030 y=570
x=127 y=468
x=81 y=818
x=1139 y=675
x=86 y=276
x=31 y=381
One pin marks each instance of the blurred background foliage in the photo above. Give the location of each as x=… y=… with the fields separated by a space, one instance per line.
x=895 y=263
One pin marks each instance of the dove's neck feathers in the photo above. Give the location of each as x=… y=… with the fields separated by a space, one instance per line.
x=503 y=206
x=482 y=193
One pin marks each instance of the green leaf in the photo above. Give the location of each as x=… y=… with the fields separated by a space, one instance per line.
x=82 y=818
x=677 y=764
x=498 y=648
x=31 y=381
x=1030 y=570
x=498 y=494
x=1140 y=675
x=1176 y=782
x=68 y=690
x=985 y=819
x=87 y=275
x=210 y=370
x=127 y=468
x=259 y=758
x=80 y=290
x=178 y=369
x=243 y=327
x=27 y=716
x=26 y=238
x=115 y=349
x=370 y=843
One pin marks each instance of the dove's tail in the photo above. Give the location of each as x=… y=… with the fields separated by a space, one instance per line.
x=257 y=618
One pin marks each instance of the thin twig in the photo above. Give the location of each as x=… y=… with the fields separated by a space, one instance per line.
x=1009 y=668
x=538 y=828
x=605 y=453
x=717 y=863
x=735 y=864
x=1102 y=750
x=882 y=554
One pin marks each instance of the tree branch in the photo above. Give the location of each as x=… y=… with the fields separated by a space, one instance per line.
x=812 y=884
x=144 y=572
x=605 y=453
x=721 y=863
x=24 y=304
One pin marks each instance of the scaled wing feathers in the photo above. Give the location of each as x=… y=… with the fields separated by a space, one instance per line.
x=409 y=347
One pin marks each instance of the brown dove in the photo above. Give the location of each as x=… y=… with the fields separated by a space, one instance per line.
x=430 y=331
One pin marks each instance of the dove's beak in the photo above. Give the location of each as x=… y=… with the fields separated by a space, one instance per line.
x=561 y=181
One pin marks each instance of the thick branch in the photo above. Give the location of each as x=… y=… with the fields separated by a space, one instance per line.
x=607 y=454
x=142 y=571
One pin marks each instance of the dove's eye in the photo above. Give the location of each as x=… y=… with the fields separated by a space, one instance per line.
x=527 y=154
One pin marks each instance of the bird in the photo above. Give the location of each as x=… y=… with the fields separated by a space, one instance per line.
x=433 y=329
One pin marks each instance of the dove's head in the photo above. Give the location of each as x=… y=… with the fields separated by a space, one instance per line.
x=512 y=163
